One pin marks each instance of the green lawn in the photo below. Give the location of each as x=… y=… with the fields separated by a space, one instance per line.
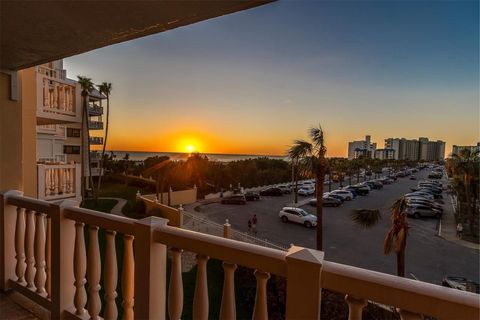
x=103 y=205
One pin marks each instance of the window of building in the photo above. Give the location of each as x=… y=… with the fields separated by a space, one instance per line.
x=71 y=149
x=73 y=132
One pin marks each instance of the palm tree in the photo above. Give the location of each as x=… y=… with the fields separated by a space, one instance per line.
x=312 y=161
x=87 y=85
x=396 y=238
x=466 y=164
x=160 y=171
x=105 y=88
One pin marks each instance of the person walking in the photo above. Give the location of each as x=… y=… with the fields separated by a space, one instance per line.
x=254 y=224
x=249 y=225
x=459 y=230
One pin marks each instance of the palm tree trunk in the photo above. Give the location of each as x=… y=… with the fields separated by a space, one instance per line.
x=104 y=145
x=401 y=263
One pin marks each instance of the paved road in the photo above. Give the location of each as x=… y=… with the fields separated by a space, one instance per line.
x=428 y=256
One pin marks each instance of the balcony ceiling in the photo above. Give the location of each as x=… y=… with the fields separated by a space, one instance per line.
x=35 y=32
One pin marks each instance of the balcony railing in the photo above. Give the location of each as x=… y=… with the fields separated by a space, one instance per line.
x=95 y=125
x=58 y=181
x=59 y=131
x=95 y=110
x=46 y=258
x=96 y=140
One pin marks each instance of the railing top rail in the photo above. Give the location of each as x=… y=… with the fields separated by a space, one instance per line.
x=57 y=166
x=29 y=203
x=407 y=294
x=103 y=220
x=241 y=253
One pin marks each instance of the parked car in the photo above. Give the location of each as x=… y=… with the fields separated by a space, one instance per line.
x=298 y=215
x=413 y=178
x=418 y=210
x=306 y=191
x=326 y=202
x=420 y=194
x=275 y=192
x=336 y=196
x=346 y=195
x=235 y=199
x=419 y=201
x=252 y=196
x=461 y=283
x=285 y=189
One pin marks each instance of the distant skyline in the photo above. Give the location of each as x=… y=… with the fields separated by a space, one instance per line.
x=253 y=81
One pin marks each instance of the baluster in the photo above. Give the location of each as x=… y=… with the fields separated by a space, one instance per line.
x=355 y=307
x=68 y=179
x=228 y=309
x=175 y=292
x=260 y=310
x=47 y=182
x=55 y=180
x=94 y=269
x=48 y=257
x=61 y=180
x=20 y=245
x=110 y=276
x=72 y=180
x=127 y=278
x=52 y=181
x=200 y=298
x=29 y=243
x=407 y=315
x=40 y=275
x=79 y=269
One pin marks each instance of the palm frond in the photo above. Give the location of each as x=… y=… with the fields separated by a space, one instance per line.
x=388 y=242
x=318 y=138
x=400 y=240
x=366 y=218
x=300 y=149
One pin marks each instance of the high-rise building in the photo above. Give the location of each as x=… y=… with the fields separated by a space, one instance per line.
x=364 y=148
x=456 y=149
x=416 y=150
x=384 y=154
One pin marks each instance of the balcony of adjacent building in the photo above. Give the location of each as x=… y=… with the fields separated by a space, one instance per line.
x=58 y=99
x=95 y=125
x=60 y=256
x=58 y=180
x=54 y=130
x=95 y=110
x=96 y=140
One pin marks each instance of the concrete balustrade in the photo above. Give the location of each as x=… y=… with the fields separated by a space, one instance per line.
x=44 y=243
x=58 y=181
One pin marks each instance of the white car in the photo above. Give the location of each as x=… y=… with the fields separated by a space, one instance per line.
x=298 y=215
x=420 y=194
x=306 y=191
x=346 y=195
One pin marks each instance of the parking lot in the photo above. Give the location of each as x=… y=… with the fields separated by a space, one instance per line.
x=428 y=257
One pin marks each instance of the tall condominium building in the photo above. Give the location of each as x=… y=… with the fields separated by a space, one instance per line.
x=385 y=154
x=363 y=148
x=456 y=149
x=416 y=150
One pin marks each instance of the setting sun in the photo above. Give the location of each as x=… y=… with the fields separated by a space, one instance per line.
x=190 y=148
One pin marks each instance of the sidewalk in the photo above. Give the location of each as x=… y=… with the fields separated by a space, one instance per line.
x=447 y=228
x=117 y=209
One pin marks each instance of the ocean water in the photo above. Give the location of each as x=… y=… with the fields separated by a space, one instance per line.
x=140 y=156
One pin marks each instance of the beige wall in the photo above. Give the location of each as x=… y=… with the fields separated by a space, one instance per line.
x=177 y=197
x=11 y=174
x=29 y=131
x=156 y=209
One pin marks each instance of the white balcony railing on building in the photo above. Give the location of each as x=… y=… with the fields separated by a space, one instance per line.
x=95 y=125
x=58 y=97
x=58 y=181
x=59 y=131
x=95 y=110
x=96 y=140
x=46 y=258
x=57 y=159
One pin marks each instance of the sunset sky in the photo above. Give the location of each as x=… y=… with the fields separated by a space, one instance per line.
x=253 y=81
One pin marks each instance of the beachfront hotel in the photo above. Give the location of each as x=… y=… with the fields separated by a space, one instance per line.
x=43 y=252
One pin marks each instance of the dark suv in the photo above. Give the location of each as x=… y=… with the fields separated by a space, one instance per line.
x=276 y=192
x=236 y=199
